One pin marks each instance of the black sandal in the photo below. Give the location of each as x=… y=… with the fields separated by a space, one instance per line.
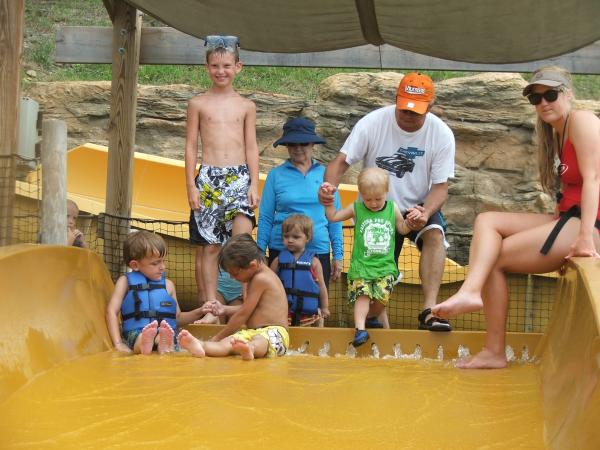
x=433 y=323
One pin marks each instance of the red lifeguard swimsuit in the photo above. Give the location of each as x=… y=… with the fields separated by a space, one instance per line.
x=571 y=180
x=570 y=199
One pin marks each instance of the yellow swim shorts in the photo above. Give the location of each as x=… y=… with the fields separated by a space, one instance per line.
x=277 y=337
x=379 y=289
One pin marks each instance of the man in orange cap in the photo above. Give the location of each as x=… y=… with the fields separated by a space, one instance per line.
x=416 y=148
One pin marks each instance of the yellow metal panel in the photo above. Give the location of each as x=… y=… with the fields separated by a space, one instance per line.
x=53 y=308
x=570 y=356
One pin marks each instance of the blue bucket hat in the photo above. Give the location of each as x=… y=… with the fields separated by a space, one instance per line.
x=299 y=130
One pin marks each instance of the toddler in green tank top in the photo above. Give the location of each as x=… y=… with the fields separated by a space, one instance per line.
x=373 y=268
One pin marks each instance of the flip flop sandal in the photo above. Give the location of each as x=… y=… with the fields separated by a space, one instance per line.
x=433 y=323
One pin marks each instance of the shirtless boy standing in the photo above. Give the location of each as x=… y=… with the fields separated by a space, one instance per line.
x=264 y=311
x=224 y=193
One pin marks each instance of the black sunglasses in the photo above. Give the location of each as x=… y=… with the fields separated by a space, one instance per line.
x=550 y=96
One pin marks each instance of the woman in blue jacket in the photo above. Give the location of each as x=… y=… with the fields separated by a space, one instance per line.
x=291 y=188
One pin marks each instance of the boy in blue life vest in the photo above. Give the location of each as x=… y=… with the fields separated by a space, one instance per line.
x=373 y=268
x=301 y=273
x=145 y=299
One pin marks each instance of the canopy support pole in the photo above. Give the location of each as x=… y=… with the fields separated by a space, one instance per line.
x=127 y=27
x=11 y=46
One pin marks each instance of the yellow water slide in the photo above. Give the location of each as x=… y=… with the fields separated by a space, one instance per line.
x=61 y=385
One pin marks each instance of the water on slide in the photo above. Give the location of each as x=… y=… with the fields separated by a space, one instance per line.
x=113 y=401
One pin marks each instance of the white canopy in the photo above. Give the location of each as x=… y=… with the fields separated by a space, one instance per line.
x=479 y=31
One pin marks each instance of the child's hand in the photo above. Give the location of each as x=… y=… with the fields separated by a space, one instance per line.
x=325 y=193
x=325 y=313
x=328 y=188
x=217 y=308
x=253 y=197
x=207 y=307
x=336 y=269
x=416 y=217
x=193 y=197
x=73 y=235
x=122 y=347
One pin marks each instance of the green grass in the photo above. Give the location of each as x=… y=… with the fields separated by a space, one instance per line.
x=43 y=17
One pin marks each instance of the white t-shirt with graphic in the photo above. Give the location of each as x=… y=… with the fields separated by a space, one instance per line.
x=414 y=160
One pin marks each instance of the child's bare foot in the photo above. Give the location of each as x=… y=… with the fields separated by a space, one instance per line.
x=147 y=338
x=208 y=319
x=459 y=303
x=243 y=348
x=190 y=343
x=485 y=359
x=165 y=337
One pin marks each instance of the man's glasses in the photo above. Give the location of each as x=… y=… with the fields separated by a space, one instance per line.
x=550 y=96
x=229 y=43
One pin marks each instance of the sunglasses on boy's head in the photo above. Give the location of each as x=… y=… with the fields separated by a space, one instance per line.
x=229 y=43
x=550 y=96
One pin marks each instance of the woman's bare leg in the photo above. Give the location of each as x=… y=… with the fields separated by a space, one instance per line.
x=495 y=308
x=488 y=234
x=520 y=253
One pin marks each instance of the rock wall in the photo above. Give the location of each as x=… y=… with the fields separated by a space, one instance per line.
x=493 y=124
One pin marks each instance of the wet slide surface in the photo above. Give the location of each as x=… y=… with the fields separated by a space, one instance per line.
x=108 y=400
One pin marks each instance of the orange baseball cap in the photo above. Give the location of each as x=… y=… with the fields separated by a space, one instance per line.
x=415 y=92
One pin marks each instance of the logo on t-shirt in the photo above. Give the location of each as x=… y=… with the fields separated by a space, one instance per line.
x=400 y=162
x=377 y=237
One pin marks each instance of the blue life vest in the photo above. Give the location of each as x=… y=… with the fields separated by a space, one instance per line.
x=147 y=300
x=301 y=289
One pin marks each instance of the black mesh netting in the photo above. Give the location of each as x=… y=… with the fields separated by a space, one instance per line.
x=529 y=309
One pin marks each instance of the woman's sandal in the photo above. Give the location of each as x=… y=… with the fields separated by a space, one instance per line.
x=433 y=323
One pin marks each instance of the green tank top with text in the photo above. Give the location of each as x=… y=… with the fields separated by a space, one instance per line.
x=374 y=241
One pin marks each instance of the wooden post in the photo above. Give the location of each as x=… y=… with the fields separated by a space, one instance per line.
x=54 y=182
x=11 y=45
x=127 y=26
